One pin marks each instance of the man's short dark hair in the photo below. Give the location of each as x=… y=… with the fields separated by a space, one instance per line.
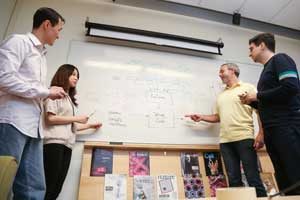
x=45 y=13
x=267 y=38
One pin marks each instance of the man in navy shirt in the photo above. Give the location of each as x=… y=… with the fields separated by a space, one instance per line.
x=278 y=103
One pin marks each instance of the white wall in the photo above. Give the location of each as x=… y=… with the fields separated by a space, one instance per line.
x=6 y=9
x=76 y=11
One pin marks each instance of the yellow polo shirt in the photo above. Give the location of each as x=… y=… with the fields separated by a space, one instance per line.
x=236 y=121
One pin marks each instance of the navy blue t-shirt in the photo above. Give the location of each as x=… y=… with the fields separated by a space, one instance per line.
x=279 y=92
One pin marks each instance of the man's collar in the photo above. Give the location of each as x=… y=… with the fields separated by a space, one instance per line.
x=36 y=42
x=239 y=83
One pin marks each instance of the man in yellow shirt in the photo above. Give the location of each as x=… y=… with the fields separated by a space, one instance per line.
x=237 y=141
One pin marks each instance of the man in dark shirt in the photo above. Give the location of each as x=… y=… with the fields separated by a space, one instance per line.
x=278 y=103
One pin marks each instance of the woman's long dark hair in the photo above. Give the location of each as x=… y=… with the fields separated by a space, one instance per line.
x=61 y=79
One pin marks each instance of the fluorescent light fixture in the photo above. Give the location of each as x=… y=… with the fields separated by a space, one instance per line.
x=170 y=73
x=113 y=65
x=153 y=38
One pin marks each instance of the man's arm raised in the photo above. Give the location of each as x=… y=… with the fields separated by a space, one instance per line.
x=214 y=118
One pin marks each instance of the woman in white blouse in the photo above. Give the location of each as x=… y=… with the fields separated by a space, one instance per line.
x=61 y=125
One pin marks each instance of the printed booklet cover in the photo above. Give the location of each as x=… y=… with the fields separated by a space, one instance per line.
x=167 y=187
x=139 y=163
x=190 y=164
x=115 y=187
x=102 y=162
x=193 y=187
x=143 y=188
x=213 y=163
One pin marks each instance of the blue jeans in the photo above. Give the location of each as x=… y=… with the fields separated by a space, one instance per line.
x=29 y=183
x=235 y=152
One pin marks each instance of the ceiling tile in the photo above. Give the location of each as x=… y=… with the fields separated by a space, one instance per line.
x=280 y=12
x=222 y=5
x=289 y=16
x=262 y=10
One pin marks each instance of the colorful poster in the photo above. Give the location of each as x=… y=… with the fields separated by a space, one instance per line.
x=213 y=163
x=102 y=162
x=193 y=187
x=190 y=164
x=139 y=163
x=216 y=182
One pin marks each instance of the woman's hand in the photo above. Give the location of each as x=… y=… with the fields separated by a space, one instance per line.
x=95 y=125
x=82 y=119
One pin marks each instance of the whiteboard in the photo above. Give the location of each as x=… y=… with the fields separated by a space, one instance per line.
x=141 y=96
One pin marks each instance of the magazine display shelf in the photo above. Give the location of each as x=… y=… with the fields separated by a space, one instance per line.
x=164 y=159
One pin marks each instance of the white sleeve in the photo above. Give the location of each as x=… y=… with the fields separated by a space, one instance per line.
x=51 y=106
x=12 y=53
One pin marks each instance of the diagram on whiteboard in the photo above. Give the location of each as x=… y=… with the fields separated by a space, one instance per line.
x=160 y=119
x=142 y=95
